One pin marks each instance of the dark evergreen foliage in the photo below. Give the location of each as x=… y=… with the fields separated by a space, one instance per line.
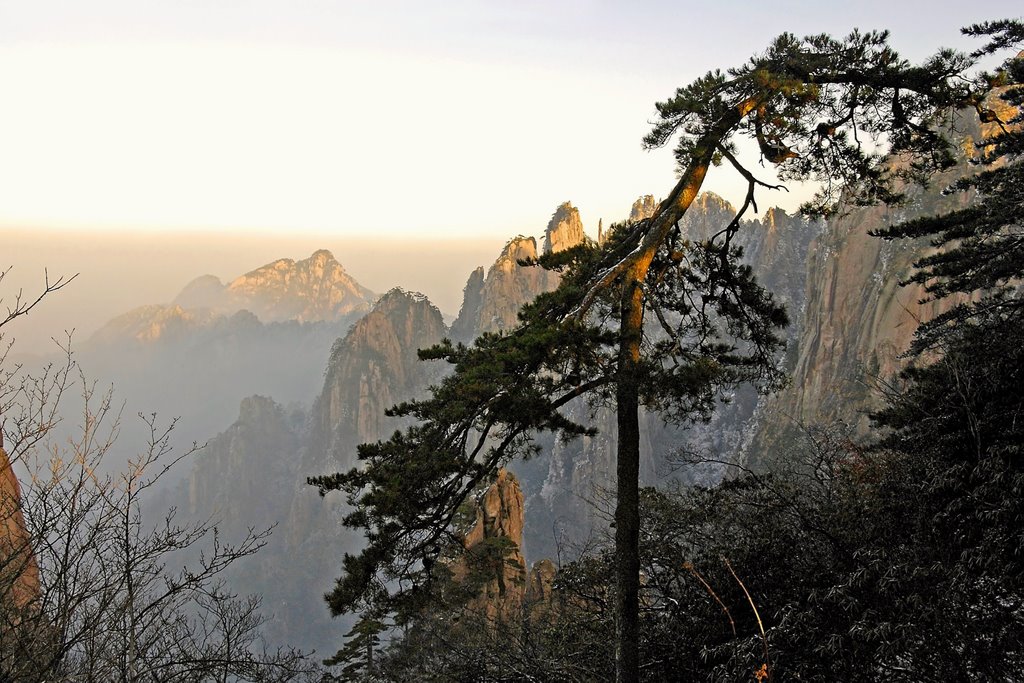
x=979 y=250
x=820 y=109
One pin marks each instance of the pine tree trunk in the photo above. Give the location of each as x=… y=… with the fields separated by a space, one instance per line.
x=627 y=506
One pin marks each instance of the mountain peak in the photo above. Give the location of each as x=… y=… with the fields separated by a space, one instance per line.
x=315 y=288
x=398 y=297
x=565 y=229
x=708 y=200
x=322 y=258
x=519 y=248
x=772 y=217
x=643 y=208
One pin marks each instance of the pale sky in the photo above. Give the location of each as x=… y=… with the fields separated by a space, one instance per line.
x=396 y=117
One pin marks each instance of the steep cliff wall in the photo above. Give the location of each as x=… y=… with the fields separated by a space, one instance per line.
x=565 y=229
x=494 y=304
x=858 y=319
x=465 y=325
x=245 y=477
x=371 y=369
x=493 y=559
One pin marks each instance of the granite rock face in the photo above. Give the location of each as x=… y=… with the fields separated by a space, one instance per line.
x=494 y=303
x=464 y=326
x=565 y=230
x=493 y=551
x=371 y=369
x=642 y=208
x=237 y=475
x=858 y=319
x=245 y=477
x=19 y=573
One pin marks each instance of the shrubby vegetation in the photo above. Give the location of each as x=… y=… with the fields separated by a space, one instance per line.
x=91 y=587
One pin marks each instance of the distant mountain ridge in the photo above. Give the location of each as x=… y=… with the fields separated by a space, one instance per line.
x=313 y=289
x=194 y=359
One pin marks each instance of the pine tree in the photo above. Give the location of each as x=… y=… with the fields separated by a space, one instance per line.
x=356 y=657
x=649 y=318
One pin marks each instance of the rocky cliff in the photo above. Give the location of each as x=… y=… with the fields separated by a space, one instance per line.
x=492 y=566
x=244 y=478
x=565 y=229
x=850 y=322
x=561 y=484
x=465 y=325
x=858 y=319
x=493 y=560
x=375 y=366
x=371 y=369
x=642 y=208
x=237 y=476
x=19 y=573
x=492 y=303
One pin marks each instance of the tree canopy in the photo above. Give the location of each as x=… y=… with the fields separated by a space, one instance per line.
x=649 y=317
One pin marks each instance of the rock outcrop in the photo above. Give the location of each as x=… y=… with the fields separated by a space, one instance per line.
x=565 y=229
x=492 y=302
x=465 y=325
x=642 y=208
x=371 y=369
x=493 y=559
x=237 y=476
x=492 y=564
x=245 y=478
x=19 y=573
x=508 y=286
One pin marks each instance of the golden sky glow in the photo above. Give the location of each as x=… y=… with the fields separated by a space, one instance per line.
x=256 y=137
x=396 y=117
